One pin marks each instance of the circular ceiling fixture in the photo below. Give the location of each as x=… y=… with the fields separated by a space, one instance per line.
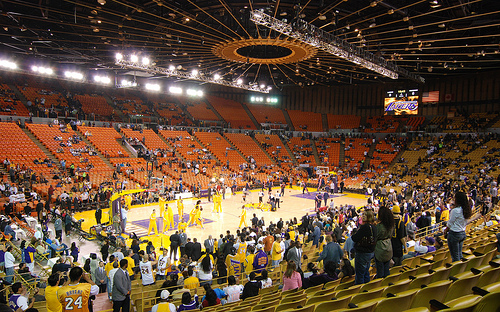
x=264 y=51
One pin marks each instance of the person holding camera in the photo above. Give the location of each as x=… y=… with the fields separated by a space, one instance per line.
x=51 y=301
x=19 y=301
x=76 y=294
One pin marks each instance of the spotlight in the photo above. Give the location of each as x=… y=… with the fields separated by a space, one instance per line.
x=175 y=90
x=8 y=64
x=239 y=81
x=102 y=79
x=134 y=58
x=194 y=72
x=193 y=92
x=262 y=86
x=73 y=75
x=42 y=70
x=119 y=56
x=145 y=61
x=152 y=87
x=216 y=77
x=171 y=68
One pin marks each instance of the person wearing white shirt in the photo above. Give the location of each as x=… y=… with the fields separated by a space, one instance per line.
x=111 y=275
x=233 y=291
x=19 y=301
x=124 y=212
x=146 y=268
x=9 y=264
x=163 y=263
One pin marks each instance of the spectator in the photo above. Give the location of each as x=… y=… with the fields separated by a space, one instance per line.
x=188 y=303
x=252 y=287
x=383 y=247
x=331 y=252
x=455 y=228
x=291 y=278
x=365 y=240
x=233 y=291
x=51 y=301
x=9 y=264
x=18 y=301
x=165 y=305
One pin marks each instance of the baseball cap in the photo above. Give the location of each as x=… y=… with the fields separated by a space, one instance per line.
x=259 y=246
x=165 y=294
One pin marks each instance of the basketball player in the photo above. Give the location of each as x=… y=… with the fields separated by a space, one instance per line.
x=198 y=218
x=168 y=218
x=243 y=217
x=152 y=223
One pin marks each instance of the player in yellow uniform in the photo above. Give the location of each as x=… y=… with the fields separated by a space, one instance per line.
x=198 y=218
x=168 y=218
x=152 y=223
x=193 y=212
x=75 y=296
x=161 y=207
x=243 y=216
x=182 y=225
x=128 y=200
x=217 y=203
x=180 y=208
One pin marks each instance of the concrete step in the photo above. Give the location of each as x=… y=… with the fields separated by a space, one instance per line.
x=369 y=155
x=178 y=154
x=263 y=149
x=324 y=119
x=315 y=152
x=288 y=120
x=214 y=110
x=42 y=147
x=101 y=156
x=292 y=157
x=252 y=117
x=235 y=148
x=342 y=154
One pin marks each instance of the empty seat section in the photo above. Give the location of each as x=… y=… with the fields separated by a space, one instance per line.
x=267 y=114
x=274 y=147
x=328 y=151
x=9 y=104
x=200 y=110
x=104 y=140
x=95 y=104
x=249 y=148
x=20 y=150
x=307 y=121
x=343 y=121
x=355 y=150
x=149 y=138
x=383 y=155
x=232 y=112
x=384 y=124
x=302 y=150
x=219 y=147
x=43 y=97
x=414 y=122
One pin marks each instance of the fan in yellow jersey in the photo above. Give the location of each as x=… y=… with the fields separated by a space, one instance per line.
x=152 y=223
x=243 y=216
x=241 y=250
x=51 y=301
x=193 y=212
x=75 y=296
x=249 y=259
x=168 y=218
x=180 y=208
x=198 y=218
x=233 y=263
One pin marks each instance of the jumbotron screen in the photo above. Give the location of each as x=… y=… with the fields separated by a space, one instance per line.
x=401 y=102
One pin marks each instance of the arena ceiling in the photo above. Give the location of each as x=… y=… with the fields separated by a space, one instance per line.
x=429 y=37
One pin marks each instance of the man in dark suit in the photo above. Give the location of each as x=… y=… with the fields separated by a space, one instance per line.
x=189 y=248
x=196 y=253
x=209 y=244
x=121 y=288
x=174 y=244
x=255 y=220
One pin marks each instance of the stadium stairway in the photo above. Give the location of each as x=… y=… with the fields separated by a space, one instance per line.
x=19 y=94
x=252 y=117
x=369 y=155
x=315 y=151
x=396 y=159
x=324 y=119
x=213 y=110
x=118 y=111
x=263 y=149
x=177 y=153
x=289 y=151
x=101 y=156
x=342 y=154
x=488 y=125
x=234 y=147
x=42 y=147
x=289 y=122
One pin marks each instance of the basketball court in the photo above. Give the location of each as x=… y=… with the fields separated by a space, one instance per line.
x=294 y=204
